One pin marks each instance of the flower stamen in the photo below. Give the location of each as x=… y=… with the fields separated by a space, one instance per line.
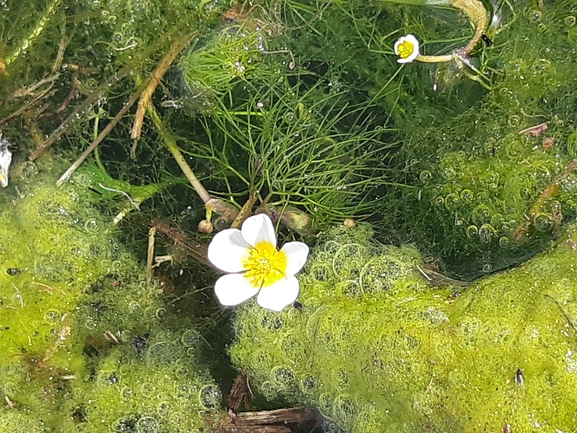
x=265 y=265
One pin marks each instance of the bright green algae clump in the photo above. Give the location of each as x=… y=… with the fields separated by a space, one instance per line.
x=379 y=350
x=85 y=342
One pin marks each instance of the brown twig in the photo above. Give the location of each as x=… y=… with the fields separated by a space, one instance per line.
x=93 y=98
x=75 y=83
x=100 y=137
x=245 y=210
x=153 y=82
x=535 y=131
x=150 y=257
x=240 y=392
x=47 y=93
x=270 y=421
x=197 y=250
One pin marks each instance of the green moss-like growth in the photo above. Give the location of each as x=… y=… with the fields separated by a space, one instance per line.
x=479 y=192
x=86 y=344
x=379 y=350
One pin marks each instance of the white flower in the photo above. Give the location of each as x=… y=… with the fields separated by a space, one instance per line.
x=255 y=266
x=407 y=48
x=5 y=160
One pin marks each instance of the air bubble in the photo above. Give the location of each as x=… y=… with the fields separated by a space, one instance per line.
x=497 y=220
x=210 y=396
x=290 y=117
x=344 y=408
x=570 y=21
x=467 y=195
x=53 y=316
x=451 y=201
x=283 y=378
x=472 y=231
x=503 y=241
x=184 y=392
x=147 y=424
x=514 y=121
x=190 y=338
x=268 y=390
x=163 y=408
x=307 y=384
x=91 y=224
x=487 y=267
x=525 y=194
x=133 y=306
x=481 y=215
x=535 y=15
x=449 y=173
x=486 y=233
x=439 y=201
x=425 y=176
x=126 y=392
x=543 y=222
x=541 y=66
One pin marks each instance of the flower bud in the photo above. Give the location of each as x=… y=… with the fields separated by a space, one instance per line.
x=297 y=220
x=205 y=226
x=349 y=222
x=226 y=211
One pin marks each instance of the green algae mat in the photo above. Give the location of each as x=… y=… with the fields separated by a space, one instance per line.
x=424 y=151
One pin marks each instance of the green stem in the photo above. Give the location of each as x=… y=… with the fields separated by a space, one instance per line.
x=170 y=143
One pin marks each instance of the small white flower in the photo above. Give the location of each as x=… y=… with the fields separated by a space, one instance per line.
x=255 y=266
x=5 y=160
x=407 y=48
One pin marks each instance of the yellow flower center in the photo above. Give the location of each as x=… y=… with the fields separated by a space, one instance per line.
x=405 y=48
x=265 y=265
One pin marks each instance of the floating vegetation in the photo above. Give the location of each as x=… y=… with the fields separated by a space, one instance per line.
x=179 y=120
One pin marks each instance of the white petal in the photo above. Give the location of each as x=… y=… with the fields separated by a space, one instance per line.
x=233 y=289
x=227 y=250
x=279 y=295
x=416 y=48
x=258 y=228
x=399 y=42
x=297 y=253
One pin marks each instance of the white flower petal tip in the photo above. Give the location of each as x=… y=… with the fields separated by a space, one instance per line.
x=5 y=161
x=258 y=228
x=228 y=250
x=297 y=254
x=279 y=295
x=255 y=266
x=407 y=48
x=233 y=289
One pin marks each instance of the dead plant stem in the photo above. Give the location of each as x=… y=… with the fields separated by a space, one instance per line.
x=155 y=78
